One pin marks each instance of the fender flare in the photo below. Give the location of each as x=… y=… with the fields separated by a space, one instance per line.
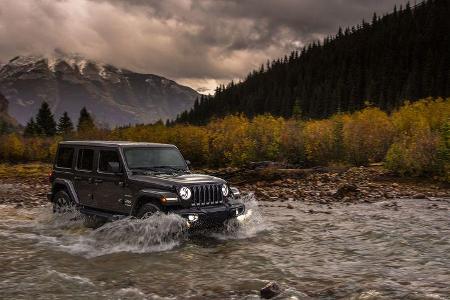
x=69 y=187
x=152 y=194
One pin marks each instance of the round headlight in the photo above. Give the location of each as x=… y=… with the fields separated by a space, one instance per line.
x=225 y=190
x=185 y=193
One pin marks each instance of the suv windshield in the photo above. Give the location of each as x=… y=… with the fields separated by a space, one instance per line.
x=154 y=159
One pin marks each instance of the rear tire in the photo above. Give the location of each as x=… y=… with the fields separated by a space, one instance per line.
x=62 y=202
x=148 y=210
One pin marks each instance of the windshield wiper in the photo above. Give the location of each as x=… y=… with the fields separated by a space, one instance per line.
x=144 y=170
x=169 y=168
x=159 y=169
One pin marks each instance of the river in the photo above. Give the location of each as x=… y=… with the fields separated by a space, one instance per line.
x=357 y=251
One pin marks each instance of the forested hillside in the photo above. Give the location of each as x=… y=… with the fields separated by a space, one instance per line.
x=7 y=123
x=402 y=55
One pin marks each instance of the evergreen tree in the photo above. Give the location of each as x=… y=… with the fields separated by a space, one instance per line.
x=297 y=110
x=85 y=121
x=31 y=129
x=65 y=125
x=45 y=120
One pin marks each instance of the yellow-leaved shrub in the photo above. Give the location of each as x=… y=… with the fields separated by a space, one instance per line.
x=229 y=141
x=11 y=148
x=367 y=135
x=265 y=136
x=319 y=141
x=422 y=142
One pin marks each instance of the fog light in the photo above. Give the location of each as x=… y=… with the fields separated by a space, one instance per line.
x=238 y=211
x=193 y=218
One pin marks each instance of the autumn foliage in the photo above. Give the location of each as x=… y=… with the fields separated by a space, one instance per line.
x=414 y=140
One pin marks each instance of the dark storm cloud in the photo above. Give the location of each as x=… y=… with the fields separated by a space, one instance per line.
x=200 y=42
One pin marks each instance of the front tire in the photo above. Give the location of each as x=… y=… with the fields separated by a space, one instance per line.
x=148 y=210
x=62 y=202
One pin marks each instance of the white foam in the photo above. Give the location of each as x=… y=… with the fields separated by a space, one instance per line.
x=249 y=225
x=157 y=233
x=71 y=278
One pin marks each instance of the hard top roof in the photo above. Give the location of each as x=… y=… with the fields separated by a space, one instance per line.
x=114 y=143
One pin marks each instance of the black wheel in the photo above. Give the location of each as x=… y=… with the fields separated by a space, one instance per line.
x=62 y=202
x=147 y=210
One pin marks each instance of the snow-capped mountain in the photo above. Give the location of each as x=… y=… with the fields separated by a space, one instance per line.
x=113 y=95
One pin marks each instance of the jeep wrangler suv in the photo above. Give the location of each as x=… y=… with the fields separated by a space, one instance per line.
x=111 y=180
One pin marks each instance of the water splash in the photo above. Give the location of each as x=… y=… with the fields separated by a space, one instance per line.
x=160 y=232
x=247 y=225
x=69 y=232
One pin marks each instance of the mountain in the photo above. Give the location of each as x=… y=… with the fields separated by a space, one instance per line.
x=113 y=95
x=402 y=55
x=6 y=121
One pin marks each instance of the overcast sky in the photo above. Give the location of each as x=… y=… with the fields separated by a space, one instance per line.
x=195 y=42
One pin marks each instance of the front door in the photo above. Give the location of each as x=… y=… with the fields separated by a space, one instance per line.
x=83 y=178
x=109 y=182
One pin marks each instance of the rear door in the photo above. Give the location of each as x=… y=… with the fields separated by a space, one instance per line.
x=109 y=183
x=83 y=178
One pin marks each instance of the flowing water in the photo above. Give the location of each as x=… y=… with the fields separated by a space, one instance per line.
x=361 y=251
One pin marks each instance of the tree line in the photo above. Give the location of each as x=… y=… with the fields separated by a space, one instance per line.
x=44 y=124
x=398 y=56
x=413 y=140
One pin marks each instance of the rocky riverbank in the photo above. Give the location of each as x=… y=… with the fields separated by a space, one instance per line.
x=272 y=183
x=27 y=185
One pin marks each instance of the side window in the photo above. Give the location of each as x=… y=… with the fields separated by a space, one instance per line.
x=109 y=162
x=65 y=157
x=85 y=159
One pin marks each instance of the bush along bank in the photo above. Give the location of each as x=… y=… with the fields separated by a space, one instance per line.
x=413 y=140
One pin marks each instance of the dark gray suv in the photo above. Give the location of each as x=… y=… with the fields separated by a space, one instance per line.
x=111 y=180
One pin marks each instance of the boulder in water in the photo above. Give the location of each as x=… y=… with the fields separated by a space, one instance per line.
x=270 y=290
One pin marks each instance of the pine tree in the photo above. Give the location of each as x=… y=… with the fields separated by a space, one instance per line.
x=297 y=110
x=45 y=120
x=31 y=129
x=85 y=121
x=65 y=125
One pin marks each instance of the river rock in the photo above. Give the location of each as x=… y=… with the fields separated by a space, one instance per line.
x=270 y=290
x=345 y=190
x=419 y=196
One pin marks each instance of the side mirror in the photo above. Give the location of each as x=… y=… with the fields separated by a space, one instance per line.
x=188 y=162
x=114 y=167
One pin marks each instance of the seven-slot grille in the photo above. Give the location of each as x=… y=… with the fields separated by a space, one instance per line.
x=206 y=195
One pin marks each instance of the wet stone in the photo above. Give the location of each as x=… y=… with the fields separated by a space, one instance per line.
x=271 y=290
x=419 y=196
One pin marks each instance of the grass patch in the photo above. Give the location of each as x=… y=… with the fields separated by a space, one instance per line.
x=29 y=170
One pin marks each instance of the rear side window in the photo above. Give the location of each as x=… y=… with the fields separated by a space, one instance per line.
x=85 y=159
x=65 y=157
x=108 y=159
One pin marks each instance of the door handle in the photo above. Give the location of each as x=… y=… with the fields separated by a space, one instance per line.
x=77 y=178
x=98 y=180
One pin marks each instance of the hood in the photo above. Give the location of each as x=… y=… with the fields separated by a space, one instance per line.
x=178 y=179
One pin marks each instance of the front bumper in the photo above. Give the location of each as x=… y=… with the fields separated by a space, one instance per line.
x=211 y=216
